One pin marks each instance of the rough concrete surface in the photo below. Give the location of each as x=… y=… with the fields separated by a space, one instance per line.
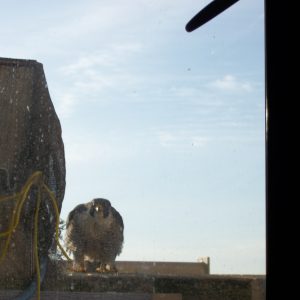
x=30 y=139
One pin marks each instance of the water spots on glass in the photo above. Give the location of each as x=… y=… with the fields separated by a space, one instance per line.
x=42 y=138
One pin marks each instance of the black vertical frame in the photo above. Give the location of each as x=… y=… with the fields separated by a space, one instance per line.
x=279 y=110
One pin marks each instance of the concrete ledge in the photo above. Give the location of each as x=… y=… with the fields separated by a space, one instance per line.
x=60 y=284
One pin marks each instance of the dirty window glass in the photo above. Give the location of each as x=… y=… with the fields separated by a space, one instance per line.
x=114 y=100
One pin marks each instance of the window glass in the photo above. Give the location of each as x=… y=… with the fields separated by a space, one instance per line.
x=167 y=125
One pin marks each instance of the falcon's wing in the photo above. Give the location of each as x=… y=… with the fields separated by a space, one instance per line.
x=77 y=210
x=117 y=217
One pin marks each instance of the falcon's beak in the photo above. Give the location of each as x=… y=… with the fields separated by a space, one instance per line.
x=94 y=209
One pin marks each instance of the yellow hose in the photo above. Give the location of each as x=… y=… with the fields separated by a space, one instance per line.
x=36 y=179
x=35 y=243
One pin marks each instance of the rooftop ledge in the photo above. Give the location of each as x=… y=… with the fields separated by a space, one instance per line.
x=140 y=281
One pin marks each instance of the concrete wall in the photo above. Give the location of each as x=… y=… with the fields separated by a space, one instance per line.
x=163 y=268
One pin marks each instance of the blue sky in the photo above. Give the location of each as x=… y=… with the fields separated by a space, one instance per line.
x=167 y=125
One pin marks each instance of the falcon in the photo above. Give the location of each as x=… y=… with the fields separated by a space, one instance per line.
x=94 y=233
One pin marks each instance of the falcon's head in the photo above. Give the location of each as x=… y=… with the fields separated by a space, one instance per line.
x=100 y=208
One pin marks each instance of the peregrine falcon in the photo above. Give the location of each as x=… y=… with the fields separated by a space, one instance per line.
x=94 y=233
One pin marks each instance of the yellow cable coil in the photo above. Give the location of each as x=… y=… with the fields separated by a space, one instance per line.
x=36 y=179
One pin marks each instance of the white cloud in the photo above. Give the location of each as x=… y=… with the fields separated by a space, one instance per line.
x=89 y=19
x=98 y=75
x=232 y=84
x=199 y=141
x=167 y=139
x=94 y=149
x=112 y=56
x=66 y=105
x=184 y=91
x=86 y=62
x=88 y=151
x=181 y=139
